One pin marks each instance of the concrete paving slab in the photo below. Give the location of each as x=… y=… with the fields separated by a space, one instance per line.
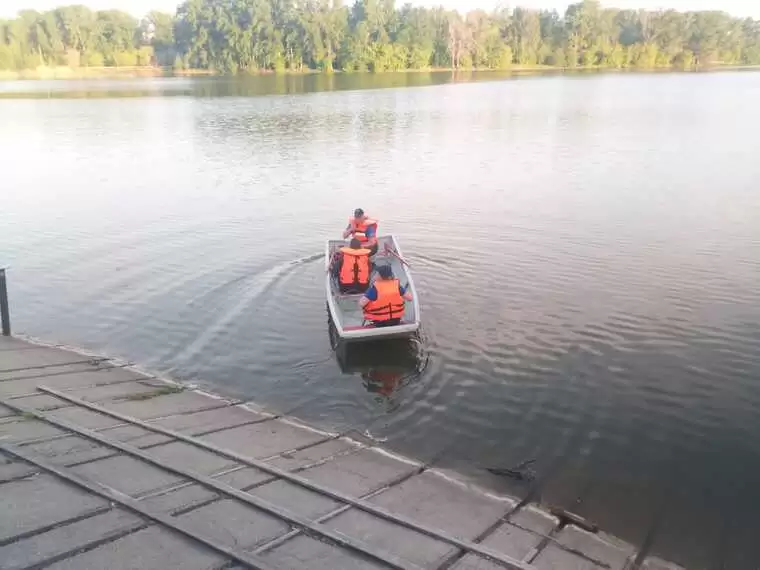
x=510 y=540
x=168 y=404
x=42 y=374
x=513 y=541
x=126 y=474
x=39 y=501
x=389 y=537
x=243 y=478
x=181 y=498
x=65 y=538
x=15 y=359
x=84 y=457
x=10 y=470
x=535 y=519
x=606 y=549
x=186 y=456
x=263 y=440
x=63 y=382
x=472 y=562
x=6 y=459
x=83 y=376
x=70 y=449
x=148 y=441
x=209 y=420
x=136 y=436
x=303 y=552
x=299 y=459
x=84 y=418
x=103 y=374
x=150 y=549
x=11 y=432
x=449 y=506
x=295 y=499
x=554 y=558
x=42 y=402
x=123 y=431
x=41 y=359
x=358 y=473
x=234 y=524
x=122 y=390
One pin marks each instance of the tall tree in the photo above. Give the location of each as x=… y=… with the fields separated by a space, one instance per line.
x=232 y=36
x=526 y=44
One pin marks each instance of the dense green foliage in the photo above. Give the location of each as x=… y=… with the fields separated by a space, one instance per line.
x=372 y=35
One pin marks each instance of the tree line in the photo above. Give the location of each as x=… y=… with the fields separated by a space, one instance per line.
x=230 y=36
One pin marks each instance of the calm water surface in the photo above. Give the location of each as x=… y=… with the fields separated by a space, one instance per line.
x=586 y=250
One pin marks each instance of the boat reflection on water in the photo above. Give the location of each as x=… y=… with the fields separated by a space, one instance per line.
x=384 y=366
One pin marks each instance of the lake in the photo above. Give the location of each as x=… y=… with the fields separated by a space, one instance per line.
x=586 y=250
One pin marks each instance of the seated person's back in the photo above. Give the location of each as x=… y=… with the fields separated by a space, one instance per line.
x=383 y=303
x=353 y=268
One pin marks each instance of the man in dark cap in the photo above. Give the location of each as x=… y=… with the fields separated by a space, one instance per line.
x=363 y=228
x=383 y=303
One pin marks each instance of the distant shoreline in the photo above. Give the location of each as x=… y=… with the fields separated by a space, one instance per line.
x=63 y=72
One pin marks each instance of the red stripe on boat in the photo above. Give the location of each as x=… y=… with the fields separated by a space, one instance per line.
x=361 y=328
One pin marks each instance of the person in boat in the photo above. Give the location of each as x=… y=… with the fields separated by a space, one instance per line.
x=383 y=303
x=363 y=228
x=352 y=267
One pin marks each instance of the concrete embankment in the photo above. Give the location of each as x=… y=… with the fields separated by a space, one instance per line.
x=103 y=466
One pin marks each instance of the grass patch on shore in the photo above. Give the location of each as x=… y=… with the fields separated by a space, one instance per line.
x=164 y=391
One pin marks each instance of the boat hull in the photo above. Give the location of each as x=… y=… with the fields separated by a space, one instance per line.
x=345 y=313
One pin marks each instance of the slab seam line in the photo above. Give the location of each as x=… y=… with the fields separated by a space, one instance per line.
x=64 y=373
x=91 y=361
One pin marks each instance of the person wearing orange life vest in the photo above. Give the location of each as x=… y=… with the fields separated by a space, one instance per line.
x=383 y=303
x=364 y=229
x=353 y=268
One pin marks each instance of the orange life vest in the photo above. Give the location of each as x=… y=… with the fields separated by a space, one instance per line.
x=355 y=267
x=359 y=228
x=389 y=304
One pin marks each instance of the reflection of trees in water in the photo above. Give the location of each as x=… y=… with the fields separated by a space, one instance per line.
x=385 y=366
x=277 y=84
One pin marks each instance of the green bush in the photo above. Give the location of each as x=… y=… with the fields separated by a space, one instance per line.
x=93 y=59
x=7 y=60
x=125 y=58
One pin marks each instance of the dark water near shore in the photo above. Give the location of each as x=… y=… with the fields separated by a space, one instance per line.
x=586 y=250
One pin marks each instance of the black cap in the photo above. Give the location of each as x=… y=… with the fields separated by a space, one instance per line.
x=385 y=271
x=355 y=244
x=358 y=213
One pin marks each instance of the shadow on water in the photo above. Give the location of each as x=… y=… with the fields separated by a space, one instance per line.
x=385 y=367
